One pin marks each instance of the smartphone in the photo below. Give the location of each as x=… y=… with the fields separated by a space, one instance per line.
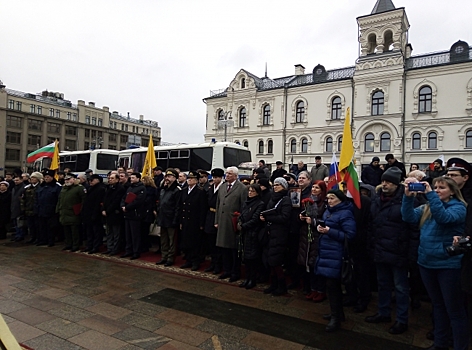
x=303 y=213
x=416 y=187
x=321 y=223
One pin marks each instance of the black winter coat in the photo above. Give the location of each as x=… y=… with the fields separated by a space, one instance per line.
x=5 y=204
x=277 y=224
x=134 y=209
x=372 y=175
x=112 y=204
x=47 y=196
x=466 y=277
x=150 y=204
x=251 y=224
x=358 y=247
x=211 y=211
x=390 y=234
x=16 y=195
x=193 y=209
x=92 y=207
x=168 y=207
x=277 y=173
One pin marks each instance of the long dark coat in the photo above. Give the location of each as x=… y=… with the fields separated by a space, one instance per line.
x=150 y=203
x=466 y=273
x=16 y=195
x=192 y=218
x=70 y=203
x=251 y=224
x=307 y=251
x=277 y=224
x=111 y=204
x=92 y=209
x=135 y=209
x=211 y=211
x=5 y=204
x=47 y=196
x=168 y=206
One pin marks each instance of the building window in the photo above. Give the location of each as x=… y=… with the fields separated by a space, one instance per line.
x=416 y=141
x=134 y=129
x=58 y=113
x=13 y=137
x=261 y=147
x=300 y=112
x=34 y=124
x=94 y=133
x=94 y=120
x=340 y=143
x=221 y=115
x=14 y=122
x=87 y=132
x=270 y=147
x=385 y=142
x=112 y=147
x=12 y=154
x=70 y=145
x=100 y=134
x=123 y=138
x=432 y=140
x=336 y=108
x=86 y=145
x=378 y=103
x=54 y=128
x=293 y=146
x=100 y=122
x=266 y=115
x=468 y=139
x=369 y=143
x=40 y=110
x=34 y=140
x=51 y=112
x=304 y=145
x=246 y=143
x=243 y=83
x=242 y=117
x=18 y=106
x=87 y=119
x=69 y=115
x=52 y=139
x=74 y=117
x=71 y=130
x=11 y=104
x=33 y=109
x=112 y=138
x=126 y=127
x=425 y=98
x=329 y=144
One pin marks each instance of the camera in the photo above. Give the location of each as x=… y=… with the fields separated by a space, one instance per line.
x=416 y=187
x=322 y=223
x=463 y=246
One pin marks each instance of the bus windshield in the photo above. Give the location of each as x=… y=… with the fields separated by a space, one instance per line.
x=106 y=161
x=234 y=157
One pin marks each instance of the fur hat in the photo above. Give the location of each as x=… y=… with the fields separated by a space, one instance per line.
x=217 y=172
x=5 y=183
x=37 y=175
x=96 y=176
x=393 y=175
x=338 y=193
x=281 y=181
x=49 y=172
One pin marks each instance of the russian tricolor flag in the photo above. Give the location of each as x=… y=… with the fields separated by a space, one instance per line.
x=334 y=176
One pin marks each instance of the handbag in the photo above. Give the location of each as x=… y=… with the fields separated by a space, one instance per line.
x=154 y=229
x=347 y=268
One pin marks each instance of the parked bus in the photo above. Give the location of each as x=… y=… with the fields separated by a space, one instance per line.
x=101 y=161
x=205 y=156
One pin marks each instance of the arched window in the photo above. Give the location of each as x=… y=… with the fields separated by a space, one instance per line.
x=270 y=147
x=372 y=43
x=468 y=139
x=237 y=142
x=416 y=141
x=388 y=41
x=385 y=142
x=293 y=146
x=221 y=115
x=432 y=140
x=246 y=143
x=425 y=98
x=304 y=145
x=266 y=115
x=329 y=144
x=243 y=83
x=378 y=103
x=340 y=143
x=336 y=108
x=242 y=117
x=300 y=112
x=261 y=147
x=369 y=143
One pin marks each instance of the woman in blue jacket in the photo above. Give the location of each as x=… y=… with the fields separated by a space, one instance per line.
x=440 y=219
x=339 y=224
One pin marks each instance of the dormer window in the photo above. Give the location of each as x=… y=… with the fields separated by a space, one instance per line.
x=243 y=83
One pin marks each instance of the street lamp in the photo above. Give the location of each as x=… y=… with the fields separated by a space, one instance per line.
x=225 y=122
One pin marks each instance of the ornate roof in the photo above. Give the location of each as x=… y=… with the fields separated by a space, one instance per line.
x=383 y=6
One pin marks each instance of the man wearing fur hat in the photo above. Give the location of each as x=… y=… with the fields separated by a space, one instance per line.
x=28 y=204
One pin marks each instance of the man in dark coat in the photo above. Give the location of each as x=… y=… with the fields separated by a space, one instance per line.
x=47 y=196
x=372 y=174
x=17 y=215
x=111 y=210
x=158 y=176
x=192 y=219
x=437 y=171
x=393 y=162
x=278 y=172
x=391 y=239
x=28 y=204
x=5 y=204
x=203 y=180
x=264 y=168
x=168 y=216
x=92 y=214
x=210 y=229
x=132 y=205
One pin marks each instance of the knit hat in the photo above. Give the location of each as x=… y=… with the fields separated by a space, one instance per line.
x=264 y=182
x=5 y=183
x=376 y=159
x=338 y=193
x=37 y=175
x=393 y=175
x=281 y=181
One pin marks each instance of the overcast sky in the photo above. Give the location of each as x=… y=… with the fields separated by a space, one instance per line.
x=161 y=58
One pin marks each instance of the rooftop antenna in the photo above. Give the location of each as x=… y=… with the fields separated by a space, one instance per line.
x=266 y=70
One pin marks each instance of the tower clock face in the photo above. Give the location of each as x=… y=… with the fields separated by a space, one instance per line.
x=459 y=49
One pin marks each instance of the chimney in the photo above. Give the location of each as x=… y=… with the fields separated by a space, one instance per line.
x=44 y=93
x=299 y=69
x=92 y=104
x=409 y=49
x=141 y=117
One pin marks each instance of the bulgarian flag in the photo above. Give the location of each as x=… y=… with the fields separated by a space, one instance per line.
x=346 y=165
x=46 y=151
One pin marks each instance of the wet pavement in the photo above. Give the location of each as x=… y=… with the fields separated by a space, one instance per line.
x=52 y=299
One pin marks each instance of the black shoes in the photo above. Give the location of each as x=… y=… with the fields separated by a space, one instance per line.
x=168 y=263
x=127 y=255
x=66 y=248
x=224 y=276
x=51 y=245
x=195 y=267
x=359 y=308
x=378 y=318
x=73 y=250
x=243 y=284
x=233 y=278
x=93 y=251
x=107 y=252
x=251 y=284
x=333 y=325
x=136 y=256
x=161 y=262
x=210 y=268
x=186 y=265
x=398 y=328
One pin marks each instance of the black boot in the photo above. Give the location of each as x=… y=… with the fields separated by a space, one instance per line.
x=243 y=284
x=273 y=285
x=281 y=288
x=336 y=306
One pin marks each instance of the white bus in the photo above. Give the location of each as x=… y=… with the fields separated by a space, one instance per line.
x=101 y=161
x=205 y=156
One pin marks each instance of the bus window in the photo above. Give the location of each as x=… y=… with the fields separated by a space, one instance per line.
x=137 y=161
x=234 y=157
x=123 y=162
x=201 y=158
x=106 y=161
x=161 y=159
x=82 y=163
x=179 y=159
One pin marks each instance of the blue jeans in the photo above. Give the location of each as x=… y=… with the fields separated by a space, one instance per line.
x=444 y=289
x=389 y=276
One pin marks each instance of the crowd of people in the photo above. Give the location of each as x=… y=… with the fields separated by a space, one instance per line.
x=286 y=228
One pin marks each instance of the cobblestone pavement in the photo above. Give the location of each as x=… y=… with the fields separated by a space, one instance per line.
x=52 y=299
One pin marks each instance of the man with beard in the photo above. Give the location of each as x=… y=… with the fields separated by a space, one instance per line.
x=92 y=214
x=28 y=203
x=111 y=210
x=372 y=174
x=437 y=171
x=168 y=216
x=69 y=206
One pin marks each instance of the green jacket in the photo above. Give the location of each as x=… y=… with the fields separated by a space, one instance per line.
x=70 y=204
x=28 y=200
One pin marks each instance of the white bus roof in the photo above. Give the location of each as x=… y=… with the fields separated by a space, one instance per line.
x=185 y=146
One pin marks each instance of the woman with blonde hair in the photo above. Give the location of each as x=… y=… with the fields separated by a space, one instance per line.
x=440 y=219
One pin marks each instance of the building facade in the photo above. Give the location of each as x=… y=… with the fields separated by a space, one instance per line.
x=416 y=107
